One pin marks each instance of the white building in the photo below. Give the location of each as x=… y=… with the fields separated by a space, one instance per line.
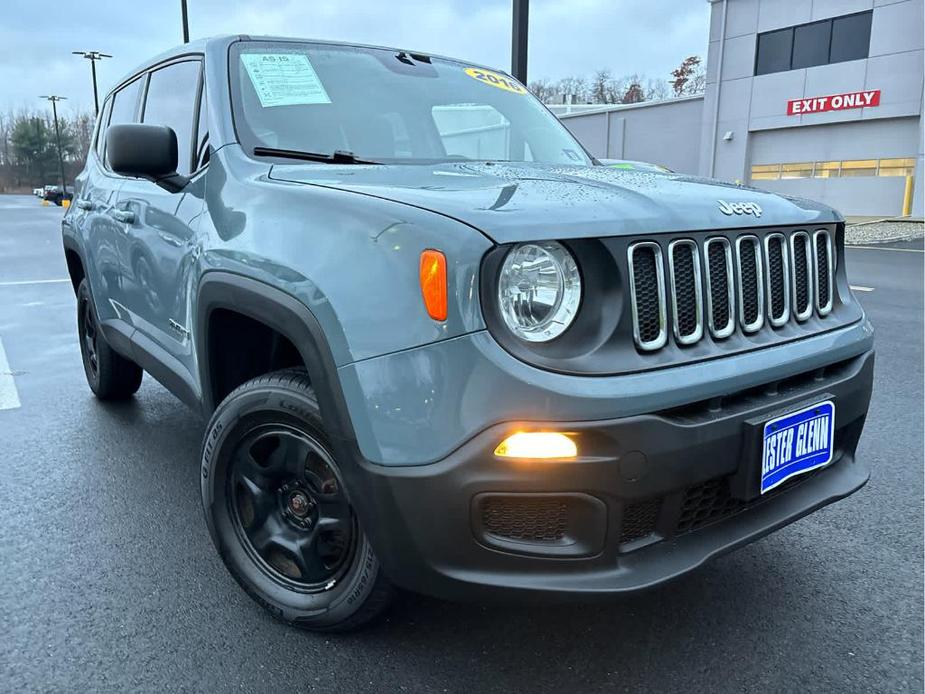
x=821 y=99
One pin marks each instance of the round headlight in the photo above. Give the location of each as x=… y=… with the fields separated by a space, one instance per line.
x=539 y=290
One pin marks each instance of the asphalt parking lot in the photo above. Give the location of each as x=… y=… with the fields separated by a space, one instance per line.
x=108 y=580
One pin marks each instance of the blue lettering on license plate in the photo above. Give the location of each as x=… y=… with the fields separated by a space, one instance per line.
x=796 y=443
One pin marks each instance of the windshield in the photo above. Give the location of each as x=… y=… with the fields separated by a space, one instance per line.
x=388 y=106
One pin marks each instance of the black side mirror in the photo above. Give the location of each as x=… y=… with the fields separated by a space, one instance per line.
x=145 y=151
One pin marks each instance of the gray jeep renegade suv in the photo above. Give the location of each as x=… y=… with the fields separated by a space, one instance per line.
x=439 y=346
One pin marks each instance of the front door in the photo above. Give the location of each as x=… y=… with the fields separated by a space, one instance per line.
x=160 y=242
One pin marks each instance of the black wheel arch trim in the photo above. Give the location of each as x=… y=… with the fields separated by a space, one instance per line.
x=289 y=317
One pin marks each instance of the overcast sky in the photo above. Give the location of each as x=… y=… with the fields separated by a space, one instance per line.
x=566 y=36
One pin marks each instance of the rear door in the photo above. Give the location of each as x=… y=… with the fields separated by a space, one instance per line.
x=95 y=207
x=160 y=230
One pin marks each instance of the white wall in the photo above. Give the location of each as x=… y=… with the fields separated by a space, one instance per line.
x=663 y=132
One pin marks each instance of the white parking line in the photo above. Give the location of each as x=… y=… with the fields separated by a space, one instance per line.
x=859 y=288
x=9 y=397
x=25 y=282
x=877 y=248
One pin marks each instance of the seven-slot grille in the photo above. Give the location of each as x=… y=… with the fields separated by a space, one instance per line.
x=748 y=282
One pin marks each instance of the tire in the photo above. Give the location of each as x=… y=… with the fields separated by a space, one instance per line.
x=279 y=513
x=109 y=375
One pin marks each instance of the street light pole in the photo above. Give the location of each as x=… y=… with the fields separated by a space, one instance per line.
x=520 y=24
x=185 y=21
x=54 y=109
x=93 y=56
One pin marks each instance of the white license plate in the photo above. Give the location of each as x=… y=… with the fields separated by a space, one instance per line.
x=796 y=443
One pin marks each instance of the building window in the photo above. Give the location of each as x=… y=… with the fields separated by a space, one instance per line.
x=860 y=167
x=818 y=43
x=811 y=44
x=834 y=169
x=827 y=169
x=896 y=167
x=850 y=37
x=767 y=172
x=803 y=170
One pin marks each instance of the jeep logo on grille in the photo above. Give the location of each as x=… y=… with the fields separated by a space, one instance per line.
x=732 y=208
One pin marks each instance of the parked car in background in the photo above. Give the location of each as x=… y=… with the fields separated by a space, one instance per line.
x=438 y=347
x=38 y=192
x=56 y=195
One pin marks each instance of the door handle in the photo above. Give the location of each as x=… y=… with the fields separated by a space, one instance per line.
x=84 y=204
x=124 y=216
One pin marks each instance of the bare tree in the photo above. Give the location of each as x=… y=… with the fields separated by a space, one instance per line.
x=657 y=90
x=600 y=87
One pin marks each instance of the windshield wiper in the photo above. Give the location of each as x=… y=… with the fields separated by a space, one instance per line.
x=339 y=156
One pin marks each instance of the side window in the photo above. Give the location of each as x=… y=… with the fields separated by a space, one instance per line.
x=171 y=101
x=101 y=128
x=124 y=107
x=201 y=156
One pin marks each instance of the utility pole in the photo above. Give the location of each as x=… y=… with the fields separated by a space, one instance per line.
x=519 y=39
x=54 y=109
x=185 y=21
x=93 y=56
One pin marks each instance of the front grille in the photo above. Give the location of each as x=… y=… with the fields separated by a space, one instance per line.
x=751 y=293
x=686 y=291
x=802 y=254
x=526 y=520
x=720 y=296
x=823 y=260
x=647 y=294
x=778 y=279
x=739 y=283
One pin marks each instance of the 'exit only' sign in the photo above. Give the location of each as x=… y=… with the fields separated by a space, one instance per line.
x=835 y=102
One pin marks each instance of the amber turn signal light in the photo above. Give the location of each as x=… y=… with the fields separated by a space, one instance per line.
x=433 y=283
x=537 y=445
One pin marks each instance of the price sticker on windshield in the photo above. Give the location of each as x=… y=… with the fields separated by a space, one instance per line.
x=284 y=79
x=495 y=79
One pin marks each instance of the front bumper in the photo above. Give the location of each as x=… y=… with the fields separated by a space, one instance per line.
x=652 y=496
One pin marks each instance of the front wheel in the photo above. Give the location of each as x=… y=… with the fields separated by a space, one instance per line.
x=278 y=510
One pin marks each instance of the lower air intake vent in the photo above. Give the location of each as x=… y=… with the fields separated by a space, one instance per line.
x=639 y=520
x=531 y=519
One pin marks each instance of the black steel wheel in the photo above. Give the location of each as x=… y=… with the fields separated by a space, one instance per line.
x=109 y=375
x=290 y=508
x=279 y=512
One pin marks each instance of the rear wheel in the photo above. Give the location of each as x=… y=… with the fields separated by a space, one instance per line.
x=278 y=510
x=109 y=375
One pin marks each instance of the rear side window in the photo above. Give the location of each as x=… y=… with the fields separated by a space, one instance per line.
x=125 y=103
x=123 y=107
x=201 y=155
x=101 y=128
x=171 y=101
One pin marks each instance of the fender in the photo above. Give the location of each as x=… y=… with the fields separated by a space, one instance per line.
x=289 y=317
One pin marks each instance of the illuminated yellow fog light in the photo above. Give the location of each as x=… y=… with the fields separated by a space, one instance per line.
x=537 y=445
